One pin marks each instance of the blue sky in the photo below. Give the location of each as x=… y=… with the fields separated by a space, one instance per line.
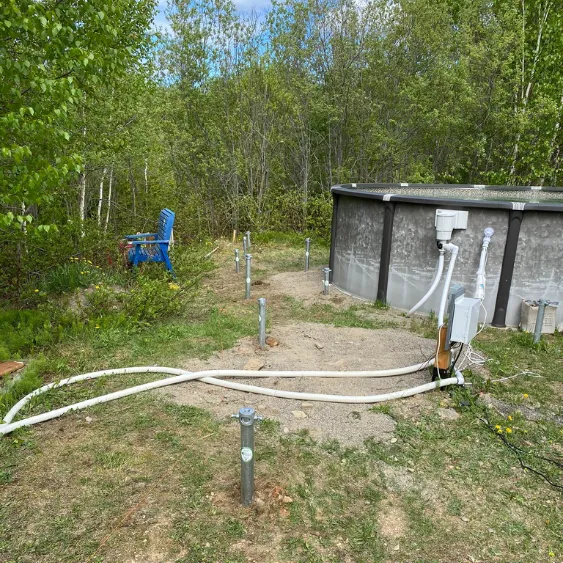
x=242 y=6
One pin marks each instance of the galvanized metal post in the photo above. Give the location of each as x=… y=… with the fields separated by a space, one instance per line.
x=246 y=417
x=248 y=259
x=237 y=261
x=244 y=245
x=307 y=248
x=326 y=281
x=262 y=322
x=539 y=320
x=248 y=239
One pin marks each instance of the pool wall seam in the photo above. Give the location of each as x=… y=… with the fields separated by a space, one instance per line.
x=507 y=269
x=386 y=243
x=333 y=225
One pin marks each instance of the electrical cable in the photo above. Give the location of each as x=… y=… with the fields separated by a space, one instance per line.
x=457 y=358
x=525 y=372
x=517 y=451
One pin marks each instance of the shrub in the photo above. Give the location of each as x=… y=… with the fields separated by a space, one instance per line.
x=24 y=330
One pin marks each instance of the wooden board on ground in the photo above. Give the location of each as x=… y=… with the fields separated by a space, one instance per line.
x=6 y=368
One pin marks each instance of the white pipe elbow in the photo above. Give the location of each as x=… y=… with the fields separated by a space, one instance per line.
x=450 y=247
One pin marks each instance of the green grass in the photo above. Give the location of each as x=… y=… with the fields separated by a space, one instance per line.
x=285 y=252
x=329 y=314
x=148 y=478
x=512 y=352
x=74 y=274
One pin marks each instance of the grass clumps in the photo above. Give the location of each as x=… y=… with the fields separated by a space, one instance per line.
x=28 y=381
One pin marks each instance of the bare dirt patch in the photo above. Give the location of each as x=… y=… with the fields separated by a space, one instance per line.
x=307 y=287
x=304 y=287
x=312 y=346
x=393 y=521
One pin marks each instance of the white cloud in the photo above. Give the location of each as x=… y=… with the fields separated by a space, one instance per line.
x=160 y=21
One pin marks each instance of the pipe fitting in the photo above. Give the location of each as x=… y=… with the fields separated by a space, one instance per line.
x=452 y=248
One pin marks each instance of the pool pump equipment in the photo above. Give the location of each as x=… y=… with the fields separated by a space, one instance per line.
x=446 y=221
x=463 y=312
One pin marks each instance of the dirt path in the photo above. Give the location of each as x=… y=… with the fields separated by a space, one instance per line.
x=314 y=346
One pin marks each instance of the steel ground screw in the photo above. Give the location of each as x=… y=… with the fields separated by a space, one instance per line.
x=539 y=320
x=248 y=258
x=307 y=252
x=237 y=261
x=246 y=417
x=262 y=322
x=326 y=281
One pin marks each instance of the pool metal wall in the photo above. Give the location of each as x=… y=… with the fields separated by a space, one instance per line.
x=384 y=247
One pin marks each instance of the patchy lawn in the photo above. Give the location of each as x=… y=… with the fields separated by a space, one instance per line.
x=459 y=476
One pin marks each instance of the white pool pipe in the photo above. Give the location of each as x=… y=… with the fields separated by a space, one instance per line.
x=220 y=373
x=481 y=279
x=453 y=250
x=206 y=376
x=434 y=285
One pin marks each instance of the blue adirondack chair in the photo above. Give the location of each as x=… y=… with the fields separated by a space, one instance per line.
x=155 y=249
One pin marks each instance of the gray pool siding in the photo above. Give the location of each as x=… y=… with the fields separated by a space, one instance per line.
x=356 y=250
x=538 y=268
x=359 y=227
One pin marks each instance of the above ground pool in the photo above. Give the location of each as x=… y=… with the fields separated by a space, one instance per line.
x=384 y=244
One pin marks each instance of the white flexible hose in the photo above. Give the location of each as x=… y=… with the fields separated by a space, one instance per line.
x=187 y=376
x=433 y=287
x=86 y=376
x=182 y=376
x=350 y=399
x=229 y=373
x=454 y=250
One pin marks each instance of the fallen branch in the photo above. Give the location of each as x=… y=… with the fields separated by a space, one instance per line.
x=212 y=252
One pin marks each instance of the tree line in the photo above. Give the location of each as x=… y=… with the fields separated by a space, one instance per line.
x=244 y=121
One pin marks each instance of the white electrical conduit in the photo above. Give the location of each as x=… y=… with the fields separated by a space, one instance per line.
x=434 y=285
x=453 y=250
x=182 y=376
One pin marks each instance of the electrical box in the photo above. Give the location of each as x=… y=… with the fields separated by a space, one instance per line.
x=466 y=319
x=447 y=220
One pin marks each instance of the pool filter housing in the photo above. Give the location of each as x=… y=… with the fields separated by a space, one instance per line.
x=446 y=220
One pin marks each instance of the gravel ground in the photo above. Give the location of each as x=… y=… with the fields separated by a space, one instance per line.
x=313 y=346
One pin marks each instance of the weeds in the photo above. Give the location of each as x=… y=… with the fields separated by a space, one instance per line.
x=75 y=274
